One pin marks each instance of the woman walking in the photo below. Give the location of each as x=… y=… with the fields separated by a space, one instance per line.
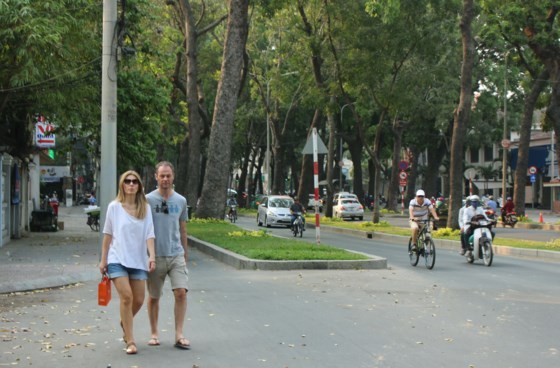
x=128 y=251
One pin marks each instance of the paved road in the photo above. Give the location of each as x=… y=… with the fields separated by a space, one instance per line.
x=457 y=315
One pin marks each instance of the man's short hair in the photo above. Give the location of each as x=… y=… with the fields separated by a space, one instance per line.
x=165 y=163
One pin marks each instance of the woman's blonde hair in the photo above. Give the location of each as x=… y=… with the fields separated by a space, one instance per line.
x=140 y=200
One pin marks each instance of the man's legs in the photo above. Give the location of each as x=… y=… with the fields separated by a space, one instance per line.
x=153 y=314
x=180 y=311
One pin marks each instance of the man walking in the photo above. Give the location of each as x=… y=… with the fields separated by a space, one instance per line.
x=169 y=212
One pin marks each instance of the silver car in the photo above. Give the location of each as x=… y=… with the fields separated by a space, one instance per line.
x=274 y=210
x=348 y=208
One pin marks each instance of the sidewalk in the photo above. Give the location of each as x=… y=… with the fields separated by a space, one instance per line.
x=46 y=259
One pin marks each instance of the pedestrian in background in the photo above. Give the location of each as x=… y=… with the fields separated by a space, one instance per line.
x=169 y=210
x=128 y=251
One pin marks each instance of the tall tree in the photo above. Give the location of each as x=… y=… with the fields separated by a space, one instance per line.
x=213 y=198
x=461 y=115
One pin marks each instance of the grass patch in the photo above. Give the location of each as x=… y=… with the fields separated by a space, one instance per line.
x=261 y=245
x=441 y=233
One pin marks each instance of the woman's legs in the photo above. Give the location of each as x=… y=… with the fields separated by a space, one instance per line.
x=131 y=294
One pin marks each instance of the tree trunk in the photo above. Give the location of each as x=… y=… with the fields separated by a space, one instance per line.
x=461 y=116
x=355 y=148
x=412 y=174
x=393 y=194
x=214 y=191
x=524 y=140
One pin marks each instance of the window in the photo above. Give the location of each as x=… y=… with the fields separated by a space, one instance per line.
x=474 y=154
x=488 y=153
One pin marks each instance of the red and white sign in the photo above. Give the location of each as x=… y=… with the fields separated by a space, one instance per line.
x=44 y=134
x=403 y=178
x=532 y=170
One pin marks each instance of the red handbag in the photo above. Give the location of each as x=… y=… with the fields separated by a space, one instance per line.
x=104 y=291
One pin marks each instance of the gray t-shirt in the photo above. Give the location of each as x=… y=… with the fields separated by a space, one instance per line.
x=166 y=222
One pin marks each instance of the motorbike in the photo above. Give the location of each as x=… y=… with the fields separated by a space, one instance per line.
x=491 y=214
x=480 y=242
x=510 y=219
x=232 y=215
x=297 y=226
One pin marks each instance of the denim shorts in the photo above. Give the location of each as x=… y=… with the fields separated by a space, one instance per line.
x=118 y=270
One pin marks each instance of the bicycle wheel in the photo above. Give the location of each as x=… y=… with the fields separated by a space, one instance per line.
x=429 y=253
x=487 y=253
x=300 y=226
x=412 y=255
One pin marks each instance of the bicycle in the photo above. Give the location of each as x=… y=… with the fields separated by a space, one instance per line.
x=297 y=226
x=425 y=244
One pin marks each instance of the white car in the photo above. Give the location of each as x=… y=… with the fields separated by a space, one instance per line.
x=274 y=210
x=311 y=203
x=348 y=208
x=344 y=195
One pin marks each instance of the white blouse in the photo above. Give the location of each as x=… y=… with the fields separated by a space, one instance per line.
x=130 y=235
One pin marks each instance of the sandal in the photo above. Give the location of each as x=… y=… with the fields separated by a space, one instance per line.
x=154 y=341
x=131 y=348
x=183 y=343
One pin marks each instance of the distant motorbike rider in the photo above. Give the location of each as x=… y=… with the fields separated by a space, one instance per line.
x=464 y=241
x=295 y=209
x=507 y=208
x=231 y=203
x=474 y=209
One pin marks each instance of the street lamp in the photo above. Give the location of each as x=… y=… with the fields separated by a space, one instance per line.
x=340 y=174
x=505 y=136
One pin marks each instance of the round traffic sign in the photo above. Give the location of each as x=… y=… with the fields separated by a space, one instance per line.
x=532 y=170
x=403 y=165
x=403 y=175
x=506 y=143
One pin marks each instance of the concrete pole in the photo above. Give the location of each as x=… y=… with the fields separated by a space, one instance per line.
x=108 y=177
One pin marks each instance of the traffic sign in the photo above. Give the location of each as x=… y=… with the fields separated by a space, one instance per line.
x=506 y=143
x=532 y=170
x=533 y=178
x=402 y=183
x=403 y=165
x=44 y=135
x=403 y=175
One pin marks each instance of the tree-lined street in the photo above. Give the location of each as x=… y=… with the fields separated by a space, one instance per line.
x=456 y=315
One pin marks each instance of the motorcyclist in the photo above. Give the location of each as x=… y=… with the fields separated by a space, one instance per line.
x=419 y=209
x=473 y=210
x=231 y=202
x=507 y=208
x=296 y=208
x=464 y=241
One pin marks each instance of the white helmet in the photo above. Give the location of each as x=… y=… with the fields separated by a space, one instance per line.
x=420 y=193
x=474 y=197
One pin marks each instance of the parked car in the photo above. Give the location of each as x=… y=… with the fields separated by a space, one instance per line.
x=311 y=203
x=348 y=208
x=274 y=210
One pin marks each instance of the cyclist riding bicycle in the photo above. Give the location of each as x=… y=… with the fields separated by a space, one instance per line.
x=296 y=208
x=419 y=209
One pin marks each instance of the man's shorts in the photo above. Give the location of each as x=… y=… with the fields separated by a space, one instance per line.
x=414 y=225
x=115 y=270
x=175 y=268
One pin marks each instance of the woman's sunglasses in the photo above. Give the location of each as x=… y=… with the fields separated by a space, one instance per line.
x=131 y=181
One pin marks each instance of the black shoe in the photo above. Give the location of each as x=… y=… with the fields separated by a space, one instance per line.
x=462 y=252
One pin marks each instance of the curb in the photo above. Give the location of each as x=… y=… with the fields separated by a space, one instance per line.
x=243 y=263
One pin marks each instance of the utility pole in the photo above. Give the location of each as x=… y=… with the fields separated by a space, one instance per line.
x=108 y=175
